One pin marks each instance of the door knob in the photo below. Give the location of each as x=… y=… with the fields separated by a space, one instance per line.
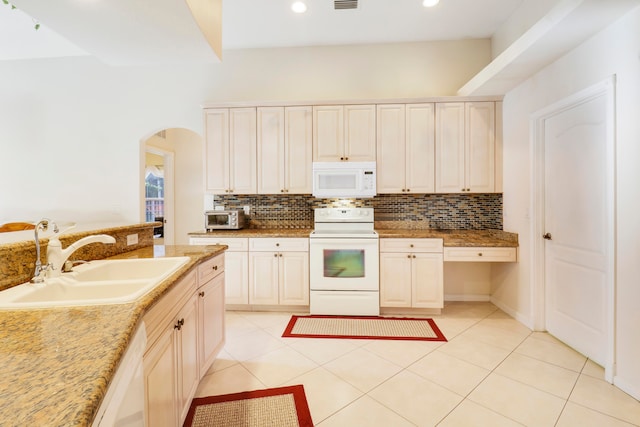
x=547 y=236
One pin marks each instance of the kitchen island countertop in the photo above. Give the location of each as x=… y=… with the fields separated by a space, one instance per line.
x=57 y=363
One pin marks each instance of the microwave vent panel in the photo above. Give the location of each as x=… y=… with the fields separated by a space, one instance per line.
x=345 y=4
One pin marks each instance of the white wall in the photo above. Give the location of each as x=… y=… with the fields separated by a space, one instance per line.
x=616 y=50
x=70 y=128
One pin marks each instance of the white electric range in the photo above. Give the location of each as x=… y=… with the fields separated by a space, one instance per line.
x=343 y=263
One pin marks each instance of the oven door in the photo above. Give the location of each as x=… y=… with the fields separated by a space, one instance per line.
x=343 y=264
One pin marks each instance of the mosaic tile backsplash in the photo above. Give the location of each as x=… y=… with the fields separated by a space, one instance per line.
x=417 y=211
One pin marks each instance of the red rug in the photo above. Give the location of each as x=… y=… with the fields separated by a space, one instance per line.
x=273 y=407
x=363 y=327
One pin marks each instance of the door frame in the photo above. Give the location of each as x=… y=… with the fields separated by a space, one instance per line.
x=537 y=274
x=169 y=207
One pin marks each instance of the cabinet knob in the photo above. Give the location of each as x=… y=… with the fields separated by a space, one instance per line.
x=409 y=256
x=403 y=190
x=277 y=244
x=413 y=256
x=341 y=158
x=411 y=245
x=275 y=255
x=408 y=190
x=280 y=255
x=479 y=253
x=282 y=190
x=201 y=294
x=346 y=158
x=215 y=267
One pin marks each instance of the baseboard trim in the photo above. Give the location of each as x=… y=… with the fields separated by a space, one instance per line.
x=469 y=298
x=526 y=321
x=627 y=387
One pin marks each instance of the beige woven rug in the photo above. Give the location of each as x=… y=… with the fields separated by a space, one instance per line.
x=274 y=407
x=389 y=328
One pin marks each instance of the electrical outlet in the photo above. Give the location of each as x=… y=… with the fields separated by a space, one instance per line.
x=247 y=210
x=132 y=239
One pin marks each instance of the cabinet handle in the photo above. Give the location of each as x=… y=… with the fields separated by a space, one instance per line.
x=201 y=294
x=179 y=324
x=413 y=256
x=411 y=245
x=409 y=256
x=280 y=255
x=403 y=190
x=341 y=158
x=479 y=253
x=408 y=190
x=215 y=267
x=346 y=158
x=282 y=190
x=275 y=255
x=277 y=244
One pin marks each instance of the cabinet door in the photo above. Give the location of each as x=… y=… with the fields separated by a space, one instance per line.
x=216 y=154
x=271 y=132
x=211 y=322
x=242 y=149
x=480 y=147
x=391 y=148
x=263 y=278
x=427 y=279
x=160 y=382
x=328 y=133
x=187 y=349
x=236 y=277
x=360 y=133
x=420 y=148
x=294 y=278
x=395 y=280
x=298 y=152
x=450 y=148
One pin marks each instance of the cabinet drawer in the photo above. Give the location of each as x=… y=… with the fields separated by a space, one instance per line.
x=269 y=244
x=235 y=243
x=210 y=269
x=411 y=245
x=481 y=254
x=160 y=315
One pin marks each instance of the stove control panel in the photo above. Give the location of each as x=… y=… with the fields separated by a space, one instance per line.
x=343 y=215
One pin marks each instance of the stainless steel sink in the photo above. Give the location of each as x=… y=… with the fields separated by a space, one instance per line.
x=94 y=283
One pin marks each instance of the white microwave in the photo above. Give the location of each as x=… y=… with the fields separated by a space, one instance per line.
x=344 y=179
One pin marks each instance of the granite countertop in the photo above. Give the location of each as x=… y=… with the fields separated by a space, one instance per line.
x=57 y=362
x=451 y=238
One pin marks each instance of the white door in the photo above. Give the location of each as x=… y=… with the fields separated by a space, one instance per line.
x=578 y=226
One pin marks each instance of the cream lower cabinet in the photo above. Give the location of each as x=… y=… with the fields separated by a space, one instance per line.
x=236 y=269
x=481 y=254
x=411 y=273
x=211 y=308
x=279 y=271
x=170 y=362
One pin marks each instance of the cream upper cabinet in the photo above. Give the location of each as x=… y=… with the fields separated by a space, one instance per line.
x=465 y=147
x=284 y=150
x=405 y=148
x=344 y=133
x=230 y=150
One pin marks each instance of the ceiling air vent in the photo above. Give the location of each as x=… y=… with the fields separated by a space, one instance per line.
x=345 y=4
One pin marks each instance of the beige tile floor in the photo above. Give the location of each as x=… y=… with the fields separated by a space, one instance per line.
x=492 y=372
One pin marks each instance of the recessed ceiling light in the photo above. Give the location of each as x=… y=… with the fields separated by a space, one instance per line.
x=430 y=3
x=299 y=7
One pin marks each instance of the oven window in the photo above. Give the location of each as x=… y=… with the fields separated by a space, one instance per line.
x=344 y=263
x=222 y=219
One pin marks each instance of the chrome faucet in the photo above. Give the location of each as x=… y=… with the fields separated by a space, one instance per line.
x=56 y=256
x=44 y=226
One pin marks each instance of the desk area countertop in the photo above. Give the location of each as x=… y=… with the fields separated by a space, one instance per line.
x=57 y=363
